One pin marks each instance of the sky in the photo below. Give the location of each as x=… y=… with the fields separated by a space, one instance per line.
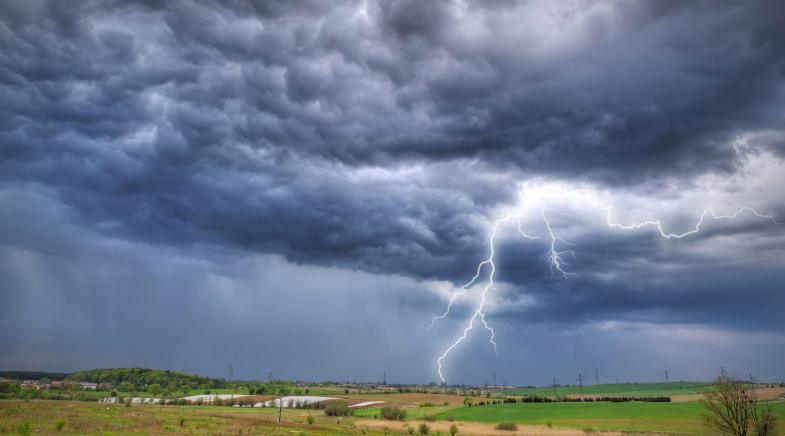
x=300 y=186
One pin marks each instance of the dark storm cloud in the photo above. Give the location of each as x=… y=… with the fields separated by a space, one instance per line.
x=383 y=136
x=181 y=122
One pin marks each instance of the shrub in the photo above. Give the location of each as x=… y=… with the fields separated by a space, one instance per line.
x=338 y=408
x=393 y=413
x=59 y=424
x=24 y=429
x=182 y=421
x=453 y=430
x=309 y=419
x=424 y=429
x=429 y=418
x=549 y=424
x=426 y=404
x=506 y=426
x=451 y=418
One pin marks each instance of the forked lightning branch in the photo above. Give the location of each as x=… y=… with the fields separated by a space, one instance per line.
x=534 y=199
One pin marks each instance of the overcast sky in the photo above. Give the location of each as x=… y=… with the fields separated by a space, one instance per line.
x=299 y=186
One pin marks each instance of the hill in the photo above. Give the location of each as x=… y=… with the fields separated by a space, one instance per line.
x=136 y=379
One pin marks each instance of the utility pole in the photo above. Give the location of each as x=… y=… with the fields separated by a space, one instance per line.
x=494 y=378
x=269 y=377
x=667 y=378
x=580 y=384
x=280 y=409
x=596 y=377
x=231 y=373
x=384 y=378
x=554 y=389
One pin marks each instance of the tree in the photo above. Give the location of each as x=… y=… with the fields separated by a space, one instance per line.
x=424 y=429
x=731 y=409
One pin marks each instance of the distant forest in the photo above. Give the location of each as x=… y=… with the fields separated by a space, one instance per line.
x=129 y=379
x=33 y=375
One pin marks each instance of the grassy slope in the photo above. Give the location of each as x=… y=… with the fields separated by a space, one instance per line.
x=83 y=418
x=631 y=389
x=633 y=416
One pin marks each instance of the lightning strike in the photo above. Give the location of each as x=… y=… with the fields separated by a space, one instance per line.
x=558 y=248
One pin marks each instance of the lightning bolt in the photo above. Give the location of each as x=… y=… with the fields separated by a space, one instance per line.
x=558 y=248
x=478 y=313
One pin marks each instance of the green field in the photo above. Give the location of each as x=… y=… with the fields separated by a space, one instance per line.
x=631 y=416
x=411 y=413
x=42 y=417
x=622 y=389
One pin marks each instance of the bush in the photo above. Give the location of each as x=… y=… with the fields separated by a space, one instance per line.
x=24 y=429
x=424 y=429
x=506 y=426
x=393 y=413
x=338 y=408
x=309 y=419
x=59 y=424
x=453 y=430
x=426 y=404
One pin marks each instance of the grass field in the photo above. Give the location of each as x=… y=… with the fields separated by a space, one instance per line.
x=41 y=417
x=75 y=417
x=632 y=416
x=411 y=413
x=621 y=389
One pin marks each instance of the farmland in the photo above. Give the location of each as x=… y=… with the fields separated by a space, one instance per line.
x=73 y=417
x=471 y=410
x=632 y=416
x=621 y=389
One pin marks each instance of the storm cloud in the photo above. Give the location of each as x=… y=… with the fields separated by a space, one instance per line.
x=155 y=154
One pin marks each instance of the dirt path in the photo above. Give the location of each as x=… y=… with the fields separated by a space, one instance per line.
x=478 y=429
